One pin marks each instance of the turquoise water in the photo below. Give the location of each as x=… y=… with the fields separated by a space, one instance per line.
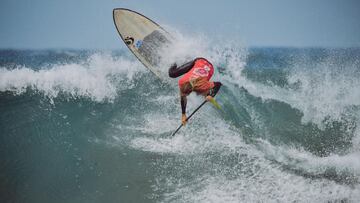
x=91 y=126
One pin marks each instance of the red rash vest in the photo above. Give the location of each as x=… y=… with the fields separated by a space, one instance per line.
x=198 y=77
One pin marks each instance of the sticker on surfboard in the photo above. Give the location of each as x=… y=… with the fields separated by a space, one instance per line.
x=129 y=40
x=138 y=43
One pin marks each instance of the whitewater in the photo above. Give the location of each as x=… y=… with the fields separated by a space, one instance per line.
x=94 y=126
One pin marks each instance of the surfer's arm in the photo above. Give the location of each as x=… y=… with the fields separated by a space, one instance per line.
x=183 y=101
x=183 y=109
x=188 y=65
x=175 y=71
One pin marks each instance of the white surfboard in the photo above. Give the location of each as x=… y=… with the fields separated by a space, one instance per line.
x=142 y=36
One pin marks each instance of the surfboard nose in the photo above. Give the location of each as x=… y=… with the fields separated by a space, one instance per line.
x=142 y=36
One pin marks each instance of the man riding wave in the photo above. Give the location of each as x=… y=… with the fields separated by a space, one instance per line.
x=196 y=77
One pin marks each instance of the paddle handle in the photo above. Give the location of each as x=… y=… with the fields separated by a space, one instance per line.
x=202 y=104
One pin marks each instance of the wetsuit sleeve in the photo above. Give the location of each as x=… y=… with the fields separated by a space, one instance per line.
x=215 y=89
x=183 y=101
x=175 y=71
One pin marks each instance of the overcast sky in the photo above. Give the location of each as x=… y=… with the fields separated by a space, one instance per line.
x=79 y=24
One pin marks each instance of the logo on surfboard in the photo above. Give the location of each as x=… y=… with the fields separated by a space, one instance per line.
x=129 y=40
x=138 y=43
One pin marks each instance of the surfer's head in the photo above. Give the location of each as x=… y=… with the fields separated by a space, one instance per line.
x=199 y=85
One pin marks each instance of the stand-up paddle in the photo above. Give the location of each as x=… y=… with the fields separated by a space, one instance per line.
x=202 y=104
x=212 y=101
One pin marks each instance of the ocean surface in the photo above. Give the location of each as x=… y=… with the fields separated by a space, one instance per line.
x=94 y=126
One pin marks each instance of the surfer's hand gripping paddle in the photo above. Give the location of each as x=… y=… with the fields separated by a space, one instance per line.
x=202 y=104
x=183 y=119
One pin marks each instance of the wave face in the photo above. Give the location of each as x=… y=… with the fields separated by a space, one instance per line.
x=87 y=126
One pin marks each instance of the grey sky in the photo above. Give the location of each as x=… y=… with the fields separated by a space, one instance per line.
x=88 y=23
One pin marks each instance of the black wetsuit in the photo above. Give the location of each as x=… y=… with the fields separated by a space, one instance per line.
x=175 y=71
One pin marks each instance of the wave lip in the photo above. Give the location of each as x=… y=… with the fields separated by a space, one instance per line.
x=96 y=78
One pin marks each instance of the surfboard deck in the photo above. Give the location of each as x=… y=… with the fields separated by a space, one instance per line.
x=143 y=37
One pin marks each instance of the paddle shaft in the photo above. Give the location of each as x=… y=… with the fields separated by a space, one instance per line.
x=202 y=104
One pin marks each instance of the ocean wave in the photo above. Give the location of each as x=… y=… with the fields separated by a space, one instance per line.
x=96 y=78
x=268 y=143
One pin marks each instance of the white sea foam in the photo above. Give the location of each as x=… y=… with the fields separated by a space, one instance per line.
x=189 y=141
x=325 y=91
x=267 y=185
x=93 y=79
x=254 y=177
x=305 y=161
x=328 y=89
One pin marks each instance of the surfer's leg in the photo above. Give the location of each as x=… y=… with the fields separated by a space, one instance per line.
x=215 y=89
x=175 y=71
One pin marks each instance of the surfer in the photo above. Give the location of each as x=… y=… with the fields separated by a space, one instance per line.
x=196 y=77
